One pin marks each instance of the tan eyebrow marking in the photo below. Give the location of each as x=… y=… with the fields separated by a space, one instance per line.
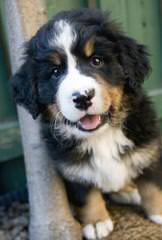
x=55 y=58
x=89 y=48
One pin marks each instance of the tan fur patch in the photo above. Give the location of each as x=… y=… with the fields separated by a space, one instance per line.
x=51 y=111
x=89 y=48
x=55 y=58
x=151 y=197
x=94 y=210
x=128 y=188
x=112 y=96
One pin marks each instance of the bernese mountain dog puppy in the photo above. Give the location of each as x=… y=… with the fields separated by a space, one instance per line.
x=84 y=76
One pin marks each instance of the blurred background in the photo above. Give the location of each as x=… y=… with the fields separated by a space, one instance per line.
x=141 y=19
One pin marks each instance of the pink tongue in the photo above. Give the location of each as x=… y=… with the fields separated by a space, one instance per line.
x=90 y=122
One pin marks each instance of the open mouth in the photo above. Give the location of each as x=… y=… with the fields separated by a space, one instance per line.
x=93 y=122
x=90 y=122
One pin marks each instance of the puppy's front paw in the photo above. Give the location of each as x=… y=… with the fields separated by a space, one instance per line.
x=99 y=230
x=156 y=219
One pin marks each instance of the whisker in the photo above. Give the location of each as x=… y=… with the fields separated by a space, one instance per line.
x=55 y=124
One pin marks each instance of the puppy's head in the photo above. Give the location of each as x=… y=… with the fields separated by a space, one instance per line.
x=78 y=68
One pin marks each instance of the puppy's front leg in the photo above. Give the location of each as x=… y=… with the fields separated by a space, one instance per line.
x=90 y=210
x=94 y=216
x=151 y=199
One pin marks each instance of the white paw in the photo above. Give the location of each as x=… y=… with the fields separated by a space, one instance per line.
x=99 y=230
x=132 y=197
x=156 y=219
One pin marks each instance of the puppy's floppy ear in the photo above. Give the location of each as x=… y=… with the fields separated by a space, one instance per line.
x=24 y=88
x=134 y=59
x=24 y=82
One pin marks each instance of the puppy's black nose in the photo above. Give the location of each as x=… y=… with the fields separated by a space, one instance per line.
x=83 y=101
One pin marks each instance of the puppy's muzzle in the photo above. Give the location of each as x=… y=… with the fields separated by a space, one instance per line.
x=83 y=101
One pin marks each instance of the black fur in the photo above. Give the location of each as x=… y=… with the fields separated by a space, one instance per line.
x=77 y=193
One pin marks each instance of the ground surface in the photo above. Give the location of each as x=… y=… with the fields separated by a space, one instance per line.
x=129 y=222
x=14 y=222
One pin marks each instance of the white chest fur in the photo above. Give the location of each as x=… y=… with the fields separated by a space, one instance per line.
x=107 y=170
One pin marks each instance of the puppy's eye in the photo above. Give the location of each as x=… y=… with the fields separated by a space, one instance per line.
x=97 y=61
x=57 y=71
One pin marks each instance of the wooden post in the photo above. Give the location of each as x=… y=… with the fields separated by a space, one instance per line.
x=50 y=215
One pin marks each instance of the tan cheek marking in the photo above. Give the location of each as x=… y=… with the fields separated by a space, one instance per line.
x=94 y=210
x=51 y=111
x=89 y=48
x=111 y=95
x=107 y=101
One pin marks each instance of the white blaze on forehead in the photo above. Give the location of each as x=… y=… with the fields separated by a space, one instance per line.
x=64 y=37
